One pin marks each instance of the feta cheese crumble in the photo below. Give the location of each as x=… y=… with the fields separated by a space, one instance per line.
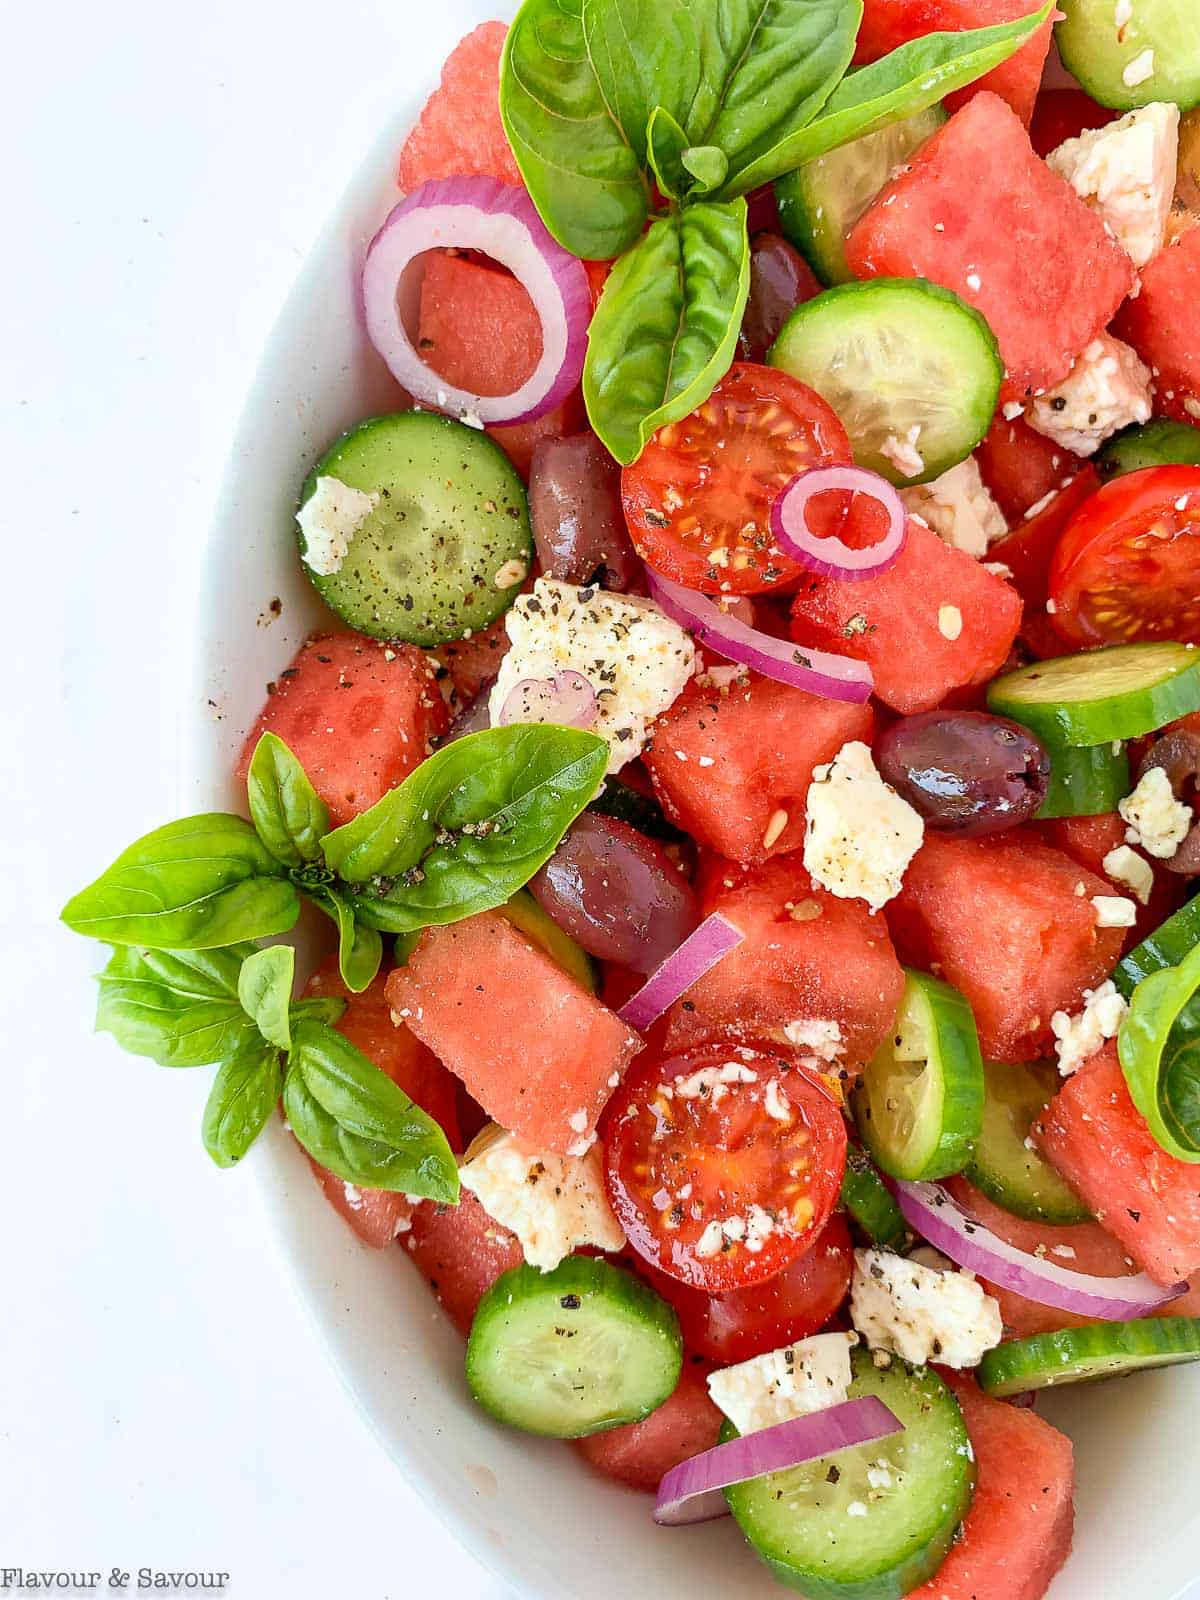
x=1157 y=820
x=1114 y=911
x=1107 y=389
x=1077 y=1038
x=958 y=508
x=1138 y=70
x=819 y=1036
x=329 y=519
x=793 y=1381
x=552 y=1203
x=922 y=1312
x=860 y=835
x=1125 y=866
x=1126 y=173
x=903 y=453
x=636 y=659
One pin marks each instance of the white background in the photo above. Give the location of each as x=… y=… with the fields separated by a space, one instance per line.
x=163 y=1401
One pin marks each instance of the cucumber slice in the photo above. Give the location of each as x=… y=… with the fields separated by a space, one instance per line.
x=822 y=200
x=1165 y=947
x=800 y=1521
x=448 y=545
x=1085 y=1355
x=525 y=913
x=869 y=1201
x=573 y=1351
x=902 y=362
x=1086 y=780
x=641 y=811
x=1119 y=692
x=1154 y=54
x=919 y=1107
x=1004 y=1167
x=1154 y=444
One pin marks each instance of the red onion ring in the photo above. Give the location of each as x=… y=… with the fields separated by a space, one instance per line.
x=817 y=671
x=567 y=699
x=939 y=1218
x=831 y=557
x=699 y=953
x=499 y=219
x=691 y=1492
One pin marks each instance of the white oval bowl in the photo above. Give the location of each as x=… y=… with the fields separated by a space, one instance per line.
x=529 y=1509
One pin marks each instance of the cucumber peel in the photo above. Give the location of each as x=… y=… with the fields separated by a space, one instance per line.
x=1118 y=692
x=1085 y=1355
x=1004 y=1167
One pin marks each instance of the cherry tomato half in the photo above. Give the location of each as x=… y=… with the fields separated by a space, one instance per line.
x=1128 y=564
x=698 y=501
x=722 y=1164
x=797 y=1302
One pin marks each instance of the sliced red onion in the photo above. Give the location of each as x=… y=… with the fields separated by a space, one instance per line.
x=831 y=556
x=567 y=699
x=833 y=677
x=939 y=1218
x=691 y=1492
x=686 y=965
x=500 y=220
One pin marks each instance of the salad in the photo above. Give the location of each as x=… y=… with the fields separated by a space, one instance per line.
x=748 y=777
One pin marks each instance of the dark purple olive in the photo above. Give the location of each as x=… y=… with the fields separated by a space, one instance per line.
x=780 y=279
x=617 y=893
x=964 y=771
x=575 y=508
x=1178 y=754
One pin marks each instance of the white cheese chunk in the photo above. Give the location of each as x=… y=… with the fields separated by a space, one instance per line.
x=635 y=658
x=552 y=1203
x=818 y=1036
x=1125 y=866
x=1077 y=1038
x=903 y=453
x=958 y=508
x=1107 y=389
x=1114 y=911
x=1126 y=172
x=329 y=519
x=1157 y=820
x=860 y=835
x=922 y=1312
x=790 y=1382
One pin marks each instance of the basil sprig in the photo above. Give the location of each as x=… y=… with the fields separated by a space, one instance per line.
x=1159 y=1048
x=602 y=100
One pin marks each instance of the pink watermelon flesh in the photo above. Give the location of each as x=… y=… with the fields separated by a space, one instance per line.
x=1163 y=326
x=640 y=1453
x=460 y=1251
x=979 y=213
x=459 y=133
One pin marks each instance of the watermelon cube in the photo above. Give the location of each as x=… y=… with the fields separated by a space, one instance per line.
x=640 y=1453
x=730 y=756
x=887 y=24
x=459 y=133
x=1020 y=466
x=460 y=1251
x=1018 y=1532
x=1164 y=329
x=1009 y=921
x=807 y=956
x=935 y=621
x=534 y=1048
x=1099 y=1141
x=979 y=213
x=1089 y=839
x=357 y=714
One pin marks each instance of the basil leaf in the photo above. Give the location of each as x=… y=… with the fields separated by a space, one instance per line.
x=469 y=827
x=265 y=990
x=243 y=1094
x=193 y=885
x=666 y=144
x=583 y=174
x=1159 y=1050
x=664 y=332
x=179 y=1007
x=644 y=53
x=360 y=949
x=288 y=814
x=767 y=68
x=323 y=1008
x=708 y=165
x=910 y=79
x=354 y=1120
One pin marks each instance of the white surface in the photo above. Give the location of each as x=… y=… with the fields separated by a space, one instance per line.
x=164 y=1401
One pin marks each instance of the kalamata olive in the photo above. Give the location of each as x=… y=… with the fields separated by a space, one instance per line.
x=780 y=279
x=1178 y=754
x=575 y=508
x=617 y=893
x=964 y=771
